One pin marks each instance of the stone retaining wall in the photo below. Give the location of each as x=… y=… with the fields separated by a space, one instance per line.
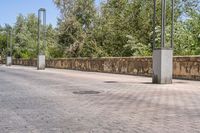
x=187 y=68
x=133 y=66
x=184 y=67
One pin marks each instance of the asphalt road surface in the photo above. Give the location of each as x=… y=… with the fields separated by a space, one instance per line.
x=65 y=101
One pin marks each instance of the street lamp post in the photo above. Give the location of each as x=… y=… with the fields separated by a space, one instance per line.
x=9 y=48
x=163 y=55
x=41 y=38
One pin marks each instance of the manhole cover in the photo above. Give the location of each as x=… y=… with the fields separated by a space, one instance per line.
x=110 y=82
x=86 y=92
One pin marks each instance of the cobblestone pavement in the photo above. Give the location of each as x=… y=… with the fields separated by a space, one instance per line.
x=54 y=101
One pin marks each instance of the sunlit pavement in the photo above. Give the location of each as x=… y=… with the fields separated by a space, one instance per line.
x=65 y=101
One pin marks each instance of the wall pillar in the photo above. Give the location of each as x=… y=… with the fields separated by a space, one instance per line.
x=41 y=62
x=162 y=66
x=8 y=61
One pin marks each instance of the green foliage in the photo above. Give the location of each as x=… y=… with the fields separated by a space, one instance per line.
x=124 y=28
x=3 y=42
x=136 y=47
x=25 y=35
x=76 y=27
x=113 y=28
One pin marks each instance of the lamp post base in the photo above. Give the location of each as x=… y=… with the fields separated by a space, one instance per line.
x=8 y=61
x=162 y=66
x=41 y=62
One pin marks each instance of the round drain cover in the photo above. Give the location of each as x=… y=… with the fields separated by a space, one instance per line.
x=110 y=82
x=86 y=92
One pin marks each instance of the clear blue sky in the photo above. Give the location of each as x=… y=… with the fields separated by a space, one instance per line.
x=9 y=9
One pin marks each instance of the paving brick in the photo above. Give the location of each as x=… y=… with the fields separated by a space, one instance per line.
x=44 y=102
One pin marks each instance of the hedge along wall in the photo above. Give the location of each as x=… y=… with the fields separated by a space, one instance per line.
x=184 y=67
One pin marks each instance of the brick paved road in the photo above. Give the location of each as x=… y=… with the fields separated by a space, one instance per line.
x=34 y=101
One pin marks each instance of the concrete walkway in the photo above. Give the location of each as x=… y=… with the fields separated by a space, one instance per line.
x=64 y=101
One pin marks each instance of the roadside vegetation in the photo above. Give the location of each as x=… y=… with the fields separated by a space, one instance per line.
x=113 y=28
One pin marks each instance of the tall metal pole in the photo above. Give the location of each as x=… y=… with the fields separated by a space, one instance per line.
x=10 y=43
x=154 y=25
x=163 y=57
x=43 y=24
x=172 y=28
x=38 y=46
x=7 y=43
x=163 y=23
x=41 y=31
x=9 y=48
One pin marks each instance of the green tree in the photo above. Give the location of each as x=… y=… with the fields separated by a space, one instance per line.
x=76 y=26
x=3 y=42
x=26 y=35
